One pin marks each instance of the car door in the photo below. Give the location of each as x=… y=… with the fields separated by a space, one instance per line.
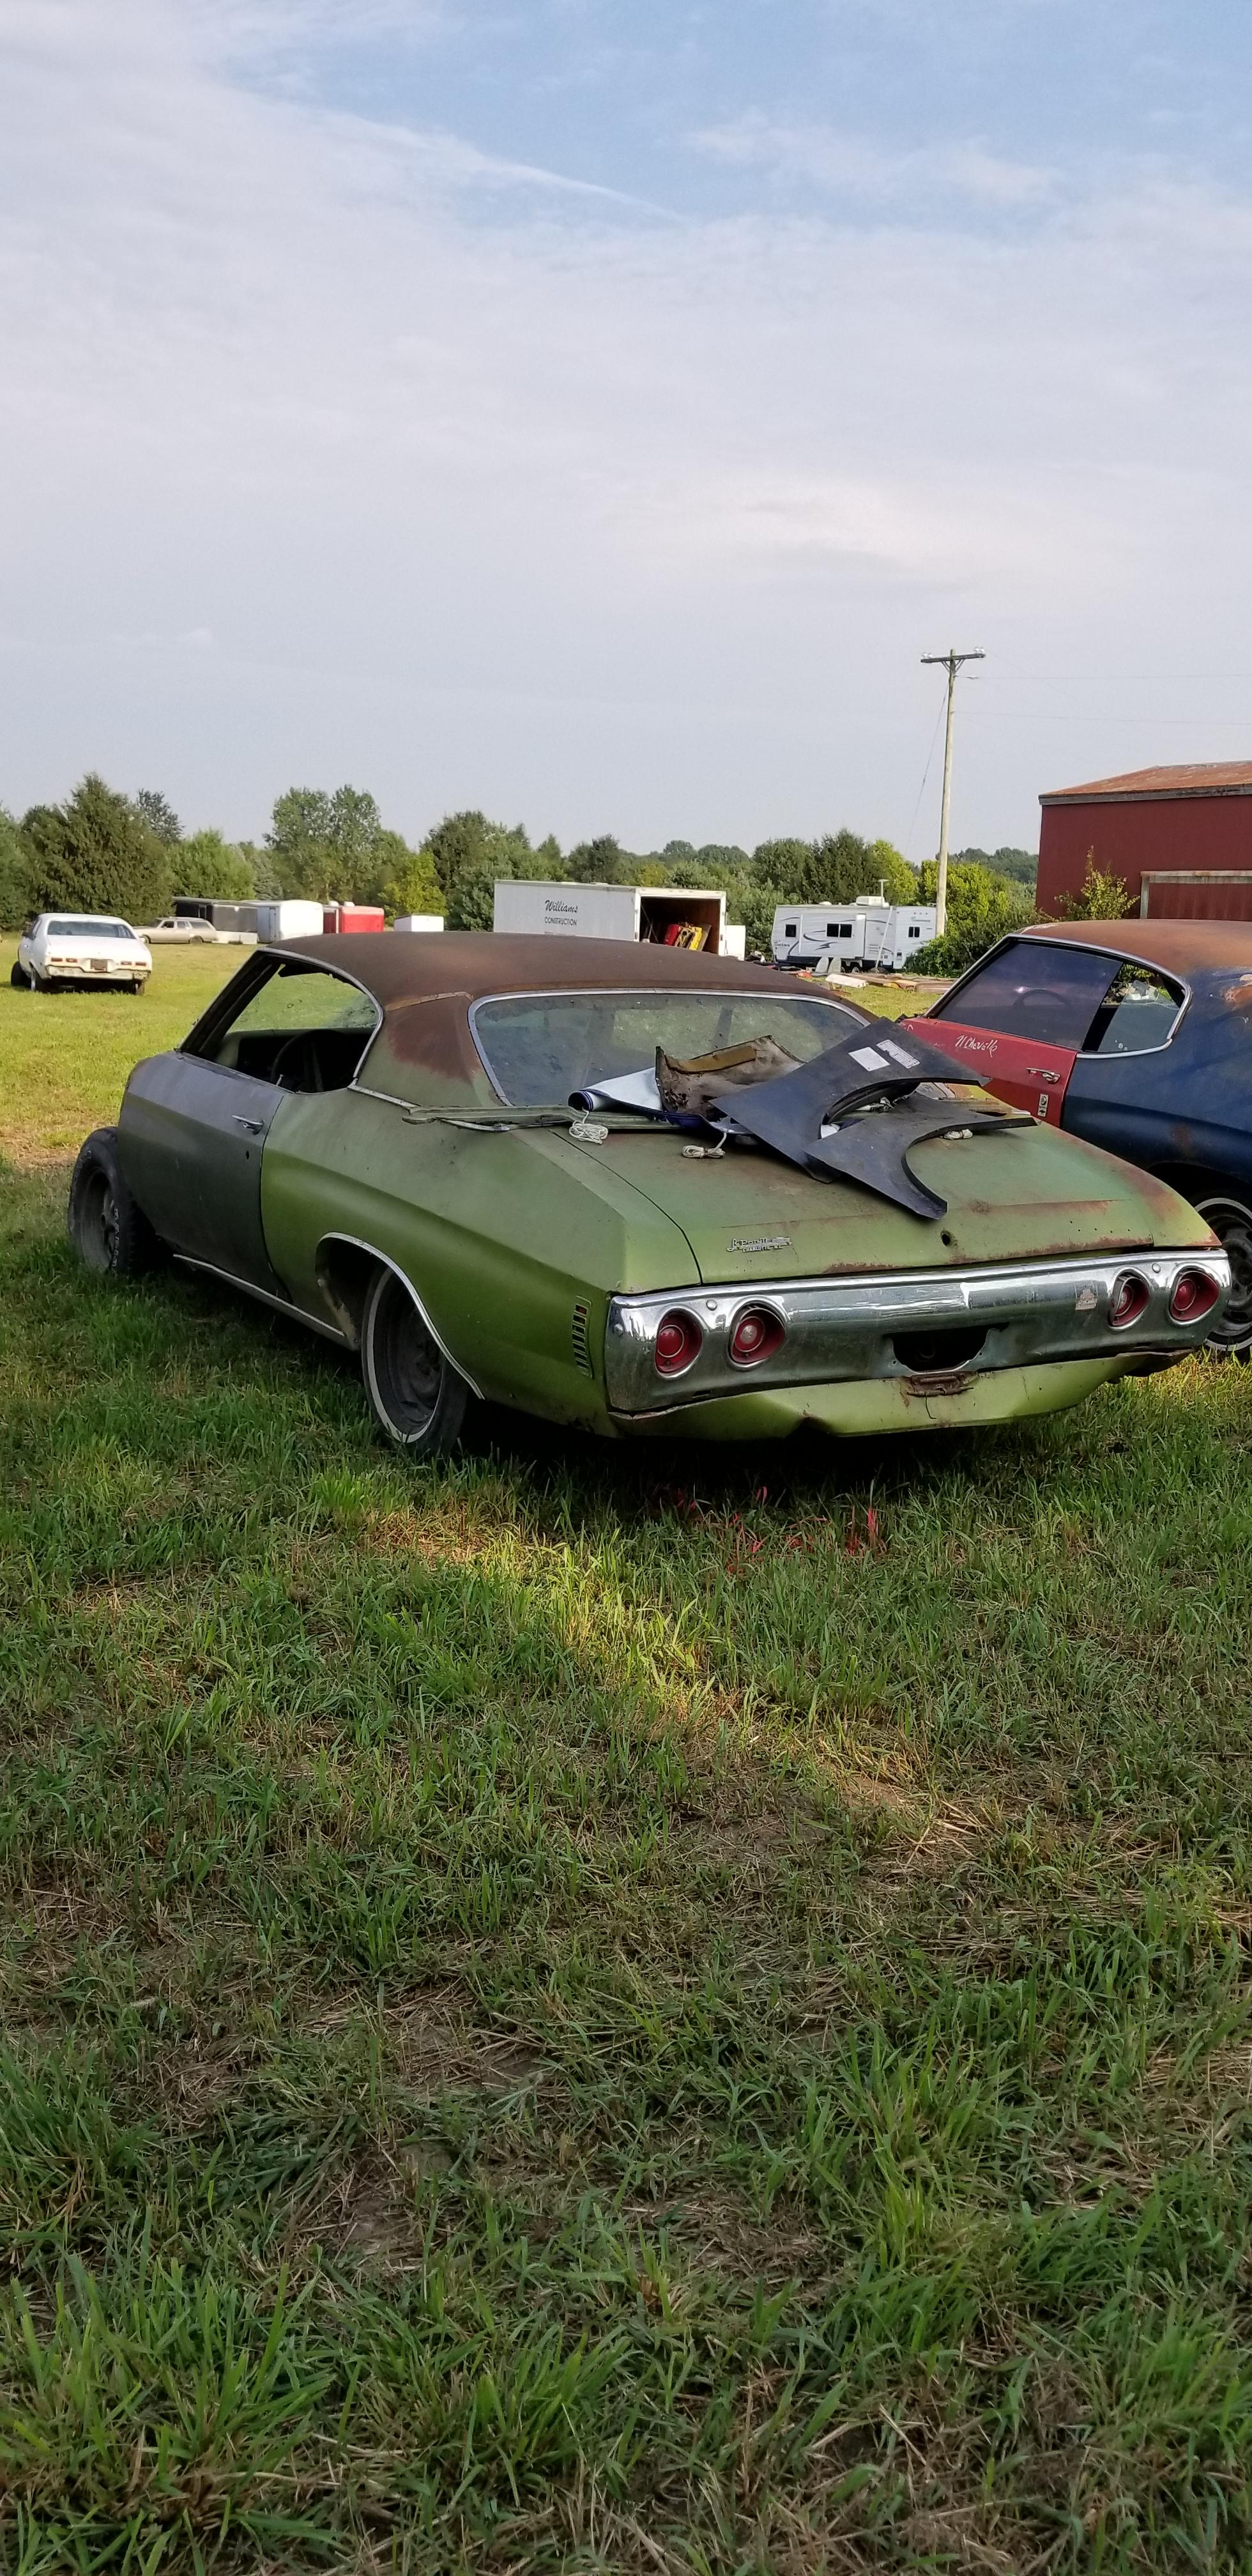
x=190 y=1136
x=193 y=1125
x=1019 y=1020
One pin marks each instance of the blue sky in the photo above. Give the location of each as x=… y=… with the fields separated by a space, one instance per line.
x=594 y=413
x=618 y=96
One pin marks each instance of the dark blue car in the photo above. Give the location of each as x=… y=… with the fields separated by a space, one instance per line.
x=1138 y=1036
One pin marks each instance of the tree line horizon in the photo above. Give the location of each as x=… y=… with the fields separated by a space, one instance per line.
x=104 y=851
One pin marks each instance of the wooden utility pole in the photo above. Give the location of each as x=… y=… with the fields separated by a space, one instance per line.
x=952 y=663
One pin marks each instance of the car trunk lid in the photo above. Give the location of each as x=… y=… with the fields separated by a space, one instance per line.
x=1027 y=1194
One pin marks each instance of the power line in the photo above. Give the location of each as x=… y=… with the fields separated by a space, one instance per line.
x=952 y=663
x=908 y=838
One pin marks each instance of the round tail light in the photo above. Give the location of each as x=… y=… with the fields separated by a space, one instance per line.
x=1130 y=1296
x=1194 y=1294
x=756 y=1335
x=678 y=1343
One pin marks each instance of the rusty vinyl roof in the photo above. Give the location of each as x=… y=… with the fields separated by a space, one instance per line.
x=1177 y=947
x=1190 y=778
x=399 y=966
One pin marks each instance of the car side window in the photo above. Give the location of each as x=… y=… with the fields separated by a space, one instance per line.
x=304 y=1029
x=1139 y=1011
x=1035 y=989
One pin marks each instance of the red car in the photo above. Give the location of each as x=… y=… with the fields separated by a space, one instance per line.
x=1137 y=1036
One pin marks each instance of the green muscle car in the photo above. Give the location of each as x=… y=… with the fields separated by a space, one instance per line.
x=637 y=1189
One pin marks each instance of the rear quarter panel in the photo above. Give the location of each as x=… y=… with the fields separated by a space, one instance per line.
x=500 y=1234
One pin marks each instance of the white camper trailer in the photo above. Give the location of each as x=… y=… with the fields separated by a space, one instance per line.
x=870 y=932
x=676 y=916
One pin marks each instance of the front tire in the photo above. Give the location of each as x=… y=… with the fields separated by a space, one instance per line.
x=1227 y=1207
x=107 y=1226
x=19 y=978
x=415 y=1395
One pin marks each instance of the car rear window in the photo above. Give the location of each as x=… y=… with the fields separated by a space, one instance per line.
x=1035 y=989
x=1138 y=1013
x=67 y=929
x=539 y=1047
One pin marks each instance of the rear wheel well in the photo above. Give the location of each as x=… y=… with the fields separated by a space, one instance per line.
x=345 y=1273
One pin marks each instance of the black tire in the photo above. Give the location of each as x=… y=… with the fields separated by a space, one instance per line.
x=19 y=978
x=415 y=1395
x=107 y=1226
x=1227 y=1207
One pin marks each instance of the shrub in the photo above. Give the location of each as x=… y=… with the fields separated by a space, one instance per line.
x=1104 y=897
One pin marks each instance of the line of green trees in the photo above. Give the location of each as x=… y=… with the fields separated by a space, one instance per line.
x=105 y=852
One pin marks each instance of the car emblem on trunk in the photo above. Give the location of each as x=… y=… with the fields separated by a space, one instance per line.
x=759 y=1243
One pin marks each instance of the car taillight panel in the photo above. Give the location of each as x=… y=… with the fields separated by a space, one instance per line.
x=757 y=1332
x=1194 y=1294
x=679 y=1341
x=1129 y=1297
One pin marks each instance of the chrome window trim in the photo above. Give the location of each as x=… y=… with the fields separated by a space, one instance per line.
x=614 y=992
x=840 y=1330
x=359 y=1244
x=287 y=956
x=366 y=1091
x=1084 y=948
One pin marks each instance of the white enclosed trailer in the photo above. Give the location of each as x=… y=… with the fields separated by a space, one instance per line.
x=639 y=913
x=418 y=921
x=290 y=919
x=868 y=932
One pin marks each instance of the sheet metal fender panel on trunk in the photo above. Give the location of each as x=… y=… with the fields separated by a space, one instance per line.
x=500 y=1235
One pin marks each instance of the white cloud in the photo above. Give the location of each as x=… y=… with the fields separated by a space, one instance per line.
x=849 y=165
x=442 y=473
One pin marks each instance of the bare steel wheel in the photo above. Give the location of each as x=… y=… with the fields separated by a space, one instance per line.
x=415 y=1394
x=1228 y=1209
x=107 y=1226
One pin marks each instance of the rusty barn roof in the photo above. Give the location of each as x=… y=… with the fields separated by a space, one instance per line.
x=1190 y=778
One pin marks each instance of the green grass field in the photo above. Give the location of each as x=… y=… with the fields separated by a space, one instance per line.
x=584 y=2010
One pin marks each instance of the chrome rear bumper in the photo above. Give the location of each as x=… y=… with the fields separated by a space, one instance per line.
x=1009 y=1315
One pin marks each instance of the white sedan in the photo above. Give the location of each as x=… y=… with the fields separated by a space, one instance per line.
x=81 y=948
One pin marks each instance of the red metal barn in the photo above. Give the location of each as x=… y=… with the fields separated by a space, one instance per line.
x=1181 y=838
